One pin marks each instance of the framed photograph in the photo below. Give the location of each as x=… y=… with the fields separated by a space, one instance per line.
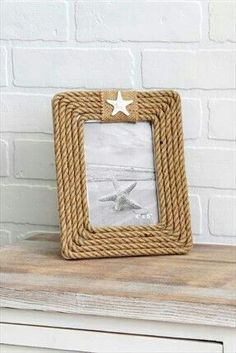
x=121 y=180
x=121 y=177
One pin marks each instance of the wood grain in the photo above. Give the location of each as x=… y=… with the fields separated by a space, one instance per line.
x=194 y=288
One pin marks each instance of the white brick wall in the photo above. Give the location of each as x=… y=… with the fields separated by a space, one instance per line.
x=75 y=67
x=33 y=204
x=222 y=123
x=211 y=167
x=32 y=20
x=209 y=69
x=4 y=160
x=221 y=209
x=49 y=46
x=222 y=21
x=3 y=66
x=148 y=21
x=33 y=112
x=34 y=159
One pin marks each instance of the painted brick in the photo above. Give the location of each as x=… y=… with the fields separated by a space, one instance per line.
x=88 y=68
x=211 y=167
x=146 y=21
x=196 y=214
x=222 y=215
x=34 y=159
x=209 y=69
x=222 y=123
x=29 y=204
x=5 y=237
x=26 y=113
x=32 y=20
x=88 y=65
x=192 y=118
x=222 y=19
x=3 y=67
x=4 y=162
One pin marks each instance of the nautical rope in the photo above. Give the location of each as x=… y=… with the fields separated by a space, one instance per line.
x=79 y=239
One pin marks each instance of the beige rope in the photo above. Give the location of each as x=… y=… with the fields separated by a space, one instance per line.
x=78 y=238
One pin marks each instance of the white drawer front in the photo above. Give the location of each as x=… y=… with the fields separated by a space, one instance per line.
x=22 y=349
x=100 y=342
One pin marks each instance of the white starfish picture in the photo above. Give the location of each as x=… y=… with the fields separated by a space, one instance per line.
x=119 y=104
x=121 y=197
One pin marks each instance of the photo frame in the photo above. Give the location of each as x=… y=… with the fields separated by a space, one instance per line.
x=79 y=237
x=120 y=174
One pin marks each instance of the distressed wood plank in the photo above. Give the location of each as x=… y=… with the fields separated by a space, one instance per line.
x=197 y=288
x=202 y=252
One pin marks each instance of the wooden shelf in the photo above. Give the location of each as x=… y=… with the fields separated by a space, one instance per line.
x=197 y=288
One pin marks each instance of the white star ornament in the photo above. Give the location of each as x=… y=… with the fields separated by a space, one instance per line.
x=119 y=105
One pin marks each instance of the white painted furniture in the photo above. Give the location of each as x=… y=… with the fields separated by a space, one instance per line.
x=173 y=304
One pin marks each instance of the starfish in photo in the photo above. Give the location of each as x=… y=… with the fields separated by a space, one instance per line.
x=121 y=197
x=119 y=104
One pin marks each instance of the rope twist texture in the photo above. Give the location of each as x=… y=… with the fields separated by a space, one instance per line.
x=79 y=239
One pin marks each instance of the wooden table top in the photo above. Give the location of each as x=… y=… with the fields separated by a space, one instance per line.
x=197 y=288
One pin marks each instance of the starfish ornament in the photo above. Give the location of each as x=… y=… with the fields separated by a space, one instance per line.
x=119 y=104
x=121 y=197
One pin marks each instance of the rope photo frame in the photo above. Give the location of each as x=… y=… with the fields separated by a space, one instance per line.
x=79 y=239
